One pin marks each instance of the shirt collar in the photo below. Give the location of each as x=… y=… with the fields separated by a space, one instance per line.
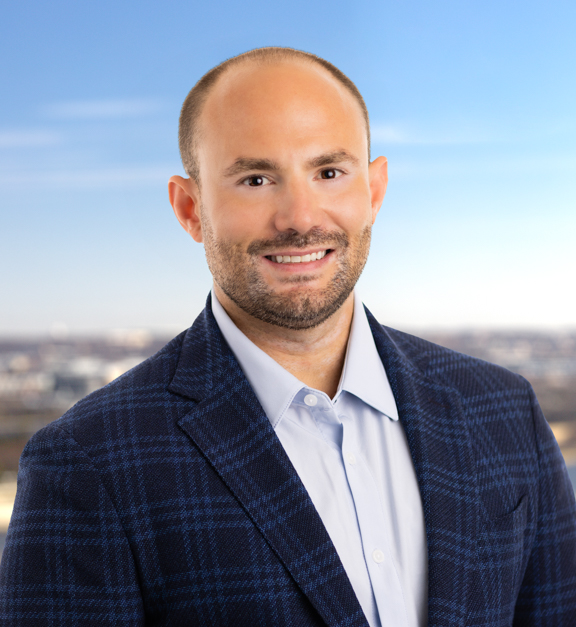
x=274 y=386
x=363 y=374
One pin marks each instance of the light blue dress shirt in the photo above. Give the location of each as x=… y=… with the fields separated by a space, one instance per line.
x=352 y=456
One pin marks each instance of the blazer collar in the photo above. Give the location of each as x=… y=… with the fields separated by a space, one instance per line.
x=230 y=428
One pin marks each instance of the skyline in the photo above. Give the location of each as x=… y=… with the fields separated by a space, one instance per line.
x=473 y=106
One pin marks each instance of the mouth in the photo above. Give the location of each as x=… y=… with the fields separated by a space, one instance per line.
x=305 y=258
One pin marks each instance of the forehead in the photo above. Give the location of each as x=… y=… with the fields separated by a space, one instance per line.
x=279 y=104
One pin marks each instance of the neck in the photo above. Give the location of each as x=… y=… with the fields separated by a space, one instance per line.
x=314 y=356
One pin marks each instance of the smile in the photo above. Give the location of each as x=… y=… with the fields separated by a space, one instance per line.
x=316 y=256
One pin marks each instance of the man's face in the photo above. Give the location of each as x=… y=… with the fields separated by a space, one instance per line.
x=285 y=204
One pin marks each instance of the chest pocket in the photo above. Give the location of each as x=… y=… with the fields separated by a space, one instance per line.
x=501 y=560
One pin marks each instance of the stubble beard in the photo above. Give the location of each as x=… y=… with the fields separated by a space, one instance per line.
x=237 y=273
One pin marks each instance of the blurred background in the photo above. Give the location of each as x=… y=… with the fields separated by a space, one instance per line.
x=473 y=104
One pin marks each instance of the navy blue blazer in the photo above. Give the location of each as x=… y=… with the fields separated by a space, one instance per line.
x=166 y=498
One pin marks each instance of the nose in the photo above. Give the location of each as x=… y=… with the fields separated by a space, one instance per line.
x=298 y=208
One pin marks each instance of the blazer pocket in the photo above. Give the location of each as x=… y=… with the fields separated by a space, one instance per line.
x=512 y=518
x=506 y=530
x=501 y=556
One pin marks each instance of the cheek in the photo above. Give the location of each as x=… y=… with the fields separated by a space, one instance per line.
x=354 y=216
x=240 y=222
x=352 y=206
x=228 y=221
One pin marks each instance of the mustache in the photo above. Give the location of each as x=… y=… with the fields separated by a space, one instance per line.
x=315 y=236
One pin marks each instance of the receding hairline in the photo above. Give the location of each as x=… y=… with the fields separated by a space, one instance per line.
x=189 y=129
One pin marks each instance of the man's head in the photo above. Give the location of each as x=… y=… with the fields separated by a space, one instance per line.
x=280 y=145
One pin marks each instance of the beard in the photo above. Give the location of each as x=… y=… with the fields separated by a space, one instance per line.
x=237 y=273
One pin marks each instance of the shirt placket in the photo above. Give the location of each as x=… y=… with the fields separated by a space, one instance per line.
x=381 y=567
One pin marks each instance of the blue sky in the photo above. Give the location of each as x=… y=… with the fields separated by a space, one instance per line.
x=473 y=103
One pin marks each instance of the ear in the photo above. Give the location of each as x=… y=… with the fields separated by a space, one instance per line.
x=378 y=178
x=185 y=200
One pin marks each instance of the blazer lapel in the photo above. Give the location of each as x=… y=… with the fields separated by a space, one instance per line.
x=437 y=435
x=229 y=427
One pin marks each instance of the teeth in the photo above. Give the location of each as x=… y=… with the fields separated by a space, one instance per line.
x=299 y=258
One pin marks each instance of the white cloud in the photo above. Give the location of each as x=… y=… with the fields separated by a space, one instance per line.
x=397 y=134
x=103 y=109
x=387 y=134
x=97 y=178
x=28 y=138
x=514 y=164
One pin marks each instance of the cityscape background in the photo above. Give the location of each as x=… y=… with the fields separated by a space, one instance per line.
x=473 y=104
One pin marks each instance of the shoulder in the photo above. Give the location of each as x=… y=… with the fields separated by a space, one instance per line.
x=494 y=401
x=125 y=407
x=469 y=376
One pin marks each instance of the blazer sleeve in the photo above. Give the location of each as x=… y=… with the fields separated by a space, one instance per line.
x=67 y=561
x=548 y=593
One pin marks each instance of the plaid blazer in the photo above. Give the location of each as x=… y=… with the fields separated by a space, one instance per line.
x=166 y=498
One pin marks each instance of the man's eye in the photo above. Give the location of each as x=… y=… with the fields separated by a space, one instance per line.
x=256 y=181
x=330 y=173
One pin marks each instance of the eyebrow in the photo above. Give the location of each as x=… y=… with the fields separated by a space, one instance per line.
x=247 y=164
x=337 y=156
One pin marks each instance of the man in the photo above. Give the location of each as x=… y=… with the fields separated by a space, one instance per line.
x=287 y=460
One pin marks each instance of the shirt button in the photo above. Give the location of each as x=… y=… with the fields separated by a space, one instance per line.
x=378 y=556
x=310 y=400
x=351 y=458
